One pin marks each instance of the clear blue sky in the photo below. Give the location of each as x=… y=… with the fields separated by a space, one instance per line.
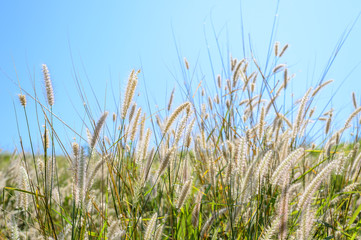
x=101 y=41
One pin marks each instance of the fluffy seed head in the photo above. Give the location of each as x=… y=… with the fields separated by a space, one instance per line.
x=135 y=124
x=97 y=129
x=196 y=209
x=186 y=63
x=278 y=68
x=171 y=100
x=321 y=86
x=315 y=183
x=286 y=164
x=328 y=124
x=276 y=48
x=354 y=99
x=159 y=232
x=129 y=92
x=46 y=139
x=184 y=193
x=219 y=81
x=22 y=99
x=283 y=50
x=24 y=201
x=165 y=162
x=285 y=78
x=150 y=228
x=132 y=111
x=174 y=115
x=48 y=85
x=349 y=119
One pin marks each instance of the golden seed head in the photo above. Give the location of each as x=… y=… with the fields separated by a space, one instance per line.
x=129 y=92
x=354 y=101
x=283 y=50
x=48 y=85
x=186 y=63
x=285 y=78
x=276 y=48
x=75 y=147
x=278 y=68
x=219 y=81
x=22 y=99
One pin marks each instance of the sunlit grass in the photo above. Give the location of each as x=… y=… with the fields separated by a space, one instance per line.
x=223 y=166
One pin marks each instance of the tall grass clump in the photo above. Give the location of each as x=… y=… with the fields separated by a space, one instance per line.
x=225 y=166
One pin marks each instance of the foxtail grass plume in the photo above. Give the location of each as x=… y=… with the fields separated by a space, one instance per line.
x=115 y=231
x=233 y=62
x=307 y=223
x=283 y=210
x=174 y=115
x=15 y=235
x=188 y=136
x=46 y=138
x=159 y=232
x=285 y=165
x=321 y=86
x=142 y=127
x=219 y=81
x=49 y=175
x=285 y=78
x=196 y=209
x=315 y=183
x=184 y=193
x=90 y=178
x=129 y=92
x=279 y=68
x=135 y=124
x=276 y=48
x=283 y=50
x=147 y=167
x=48 y=85
x=240 y=156
x=263 y=167
x=210 y=221
x=75 y=170
x=261 y=123
x=132 y=111
x=186 y=63
x=272 y=229
x=206 y=226
x=354 y=101
x=328 y=124
x=143 y=147
x=24 y=200
x=237 y=72
x=22 y=100
x=148 y=233
x=349 y=119
x=300 y=113
x=171 y=100
x=97 y=129
x=82 y=173
x=41 y=166
x=181 y=127
x=165 y=162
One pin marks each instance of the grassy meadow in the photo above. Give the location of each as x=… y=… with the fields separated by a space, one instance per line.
x=229 y=165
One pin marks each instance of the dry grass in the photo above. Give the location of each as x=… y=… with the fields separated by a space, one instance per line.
x=232 y=167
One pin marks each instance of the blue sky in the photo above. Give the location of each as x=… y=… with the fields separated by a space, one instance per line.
x=101 y=42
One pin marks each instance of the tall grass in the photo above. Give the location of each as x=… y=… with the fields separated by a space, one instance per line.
x=231 y=167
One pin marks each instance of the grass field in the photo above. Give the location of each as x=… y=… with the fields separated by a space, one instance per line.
x=223 y=166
